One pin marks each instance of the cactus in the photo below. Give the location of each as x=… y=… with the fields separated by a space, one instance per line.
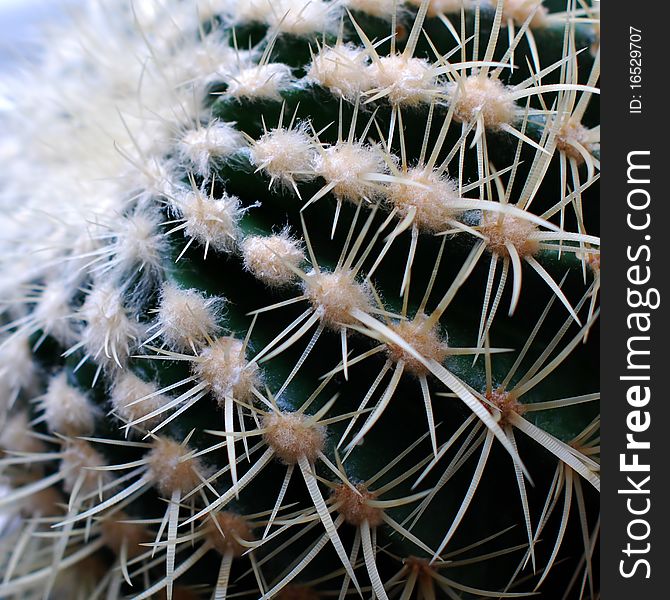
x=298 y=300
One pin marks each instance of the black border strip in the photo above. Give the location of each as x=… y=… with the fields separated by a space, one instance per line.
x=635 y=568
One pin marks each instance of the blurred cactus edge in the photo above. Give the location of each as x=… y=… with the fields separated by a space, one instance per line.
x=299 y=299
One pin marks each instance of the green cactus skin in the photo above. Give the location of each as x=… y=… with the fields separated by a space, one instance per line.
x=300 y=300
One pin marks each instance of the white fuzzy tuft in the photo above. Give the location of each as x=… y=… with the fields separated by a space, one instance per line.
x=341 y=69
x=78 y=465
x=171 y=469
x=252 y=11
x=112 y=92
x=272 y=259
x=429 y=199
x=518 y=11
x=52 y=311
x=480 y=96
x=186 y=318
x=17 y=369
x=404 y=81
x=224 y=367
x=17 y=436
x=210 y=9
x=429 y=342
x=503 y=230
x=212 y=223
x=346 y=166
x=67 y=410
x=128 y=388
x=123 y=537
x=375 y=8
x=356 y=507
x=209 y=60
x=446 y=7
x=571 y=137
x=336 y=295
x=302 y=17
x=261 y=82
x=138 y=244
x=155 y=177
x=293 y=436
x=109 y=333
x=286 y=155
x=296 y=17
x=227 y=532
x=201 y=146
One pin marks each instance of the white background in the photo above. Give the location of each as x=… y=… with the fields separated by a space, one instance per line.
x=19 y=27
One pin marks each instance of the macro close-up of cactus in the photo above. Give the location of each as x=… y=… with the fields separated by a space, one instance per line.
x=300 y=300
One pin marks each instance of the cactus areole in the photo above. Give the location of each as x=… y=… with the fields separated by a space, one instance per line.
x=299 y=301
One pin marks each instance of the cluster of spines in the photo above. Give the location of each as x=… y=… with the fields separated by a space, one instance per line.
x=134 y=306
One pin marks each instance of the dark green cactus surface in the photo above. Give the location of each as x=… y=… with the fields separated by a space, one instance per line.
x=300 y=300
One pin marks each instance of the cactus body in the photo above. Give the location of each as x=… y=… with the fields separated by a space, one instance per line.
x=299 y=299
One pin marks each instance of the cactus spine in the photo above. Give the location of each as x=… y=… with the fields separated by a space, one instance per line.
x=299 y=299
